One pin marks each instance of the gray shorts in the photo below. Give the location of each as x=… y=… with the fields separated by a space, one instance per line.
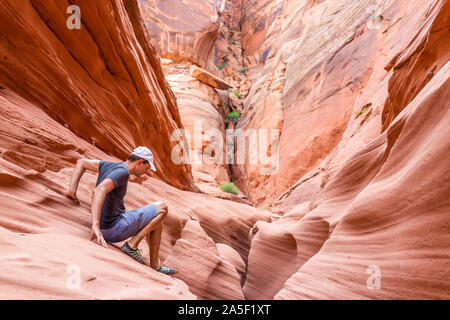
x=130 y=223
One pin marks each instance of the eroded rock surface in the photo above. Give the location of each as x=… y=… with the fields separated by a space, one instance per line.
x=386 y=224
x=102 y=82
x=97 y=93
x=328 y=75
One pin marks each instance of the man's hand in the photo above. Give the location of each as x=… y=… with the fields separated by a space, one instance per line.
x=97 y=234
x=72 y=196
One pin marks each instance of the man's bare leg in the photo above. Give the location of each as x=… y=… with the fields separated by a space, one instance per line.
x=154 y=226
x=153 y=241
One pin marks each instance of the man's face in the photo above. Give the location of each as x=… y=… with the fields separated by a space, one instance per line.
x=142 y=168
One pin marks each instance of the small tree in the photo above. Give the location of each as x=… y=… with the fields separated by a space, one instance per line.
x=229 y=187
x=236 y=93
x=233 y=116
x=221 y=66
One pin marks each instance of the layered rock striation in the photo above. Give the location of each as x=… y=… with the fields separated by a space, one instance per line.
x=103 y=82
x=97 y=92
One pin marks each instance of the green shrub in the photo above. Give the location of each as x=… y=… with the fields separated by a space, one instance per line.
x=363 y=109
x=242 y=70
x=233 y=42
x=221 y=66
x=237 y=94
x=233 y=115
x=229 y=187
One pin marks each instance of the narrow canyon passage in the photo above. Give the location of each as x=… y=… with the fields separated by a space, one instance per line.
x=328 y=89
x=329 y=117
x=204 y=65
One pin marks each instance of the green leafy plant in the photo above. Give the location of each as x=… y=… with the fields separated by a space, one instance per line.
x=233 y=115
x=363 y=109
x=229 y=187
x=237 y=94
x=242 y=70
x=233 y=42
x=222 y=66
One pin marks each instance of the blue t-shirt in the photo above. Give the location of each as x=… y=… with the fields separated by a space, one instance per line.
x=113 y=206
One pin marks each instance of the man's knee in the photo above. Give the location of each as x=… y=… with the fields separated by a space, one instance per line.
x=161 y=208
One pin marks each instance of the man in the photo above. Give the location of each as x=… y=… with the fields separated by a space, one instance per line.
x=110 y=221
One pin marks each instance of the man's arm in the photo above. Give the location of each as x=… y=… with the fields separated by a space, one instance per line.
x=100 y=192
x=81 y=166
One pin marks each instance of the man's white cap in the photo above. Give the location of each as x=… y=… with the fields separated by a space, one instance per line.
x=145 y=153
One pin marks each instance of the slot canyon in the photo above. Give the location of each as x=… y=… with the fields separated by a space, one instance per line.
x=330 y=118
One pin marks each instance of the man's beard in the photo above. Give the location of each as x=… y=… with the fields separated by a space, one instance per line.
x=137 y=174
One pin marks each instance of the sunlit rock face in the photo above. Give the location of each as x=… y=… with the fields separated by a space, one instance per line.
x=388 y=212
x=188 y=36
x=182 y=30
x=330 y=76
x=361 y=182
x=202 y=118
